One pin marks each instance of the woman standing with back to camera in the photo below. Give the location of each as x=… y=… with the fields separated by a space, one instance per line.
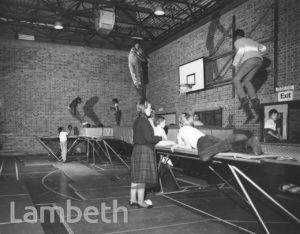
x=143 y=160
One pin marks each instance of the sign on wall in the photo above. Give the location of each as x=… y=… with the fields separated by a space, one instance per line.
x=285 y=96
x=285 y=93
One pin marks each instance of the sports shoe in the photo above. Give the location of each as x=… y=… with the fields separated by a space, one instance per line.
x=248 y=112
x=256 y=105
x=149 y=202
x=244 y=101
x=249 y=118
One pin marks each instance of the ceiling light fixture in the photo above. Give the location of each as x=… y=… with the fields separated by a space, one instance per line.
x=58 y=25
x=159 y=10
x=137 y=38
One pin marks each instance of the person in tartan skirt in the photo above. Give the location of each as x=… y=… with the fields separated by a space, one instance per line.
x=143 y=160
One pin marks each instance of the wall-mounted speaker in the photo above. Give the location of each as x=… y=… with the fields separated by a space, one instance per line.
x=105 y=20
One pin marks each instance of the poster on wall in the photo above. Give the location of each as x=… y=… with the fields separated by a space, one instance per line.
x=282 y=120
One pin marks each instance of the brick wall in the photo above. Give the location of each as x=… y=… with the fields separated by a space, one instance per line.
x=164 y=81
x=289 y=46
x=294 y=126
x=39 y=80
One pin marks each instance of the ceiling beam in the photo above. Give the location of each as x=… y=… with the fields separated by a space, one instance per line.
x=139 y=23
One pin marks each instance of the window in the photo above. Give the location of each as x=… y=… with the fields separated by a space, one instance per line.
x=170 y=118
x=211 y=117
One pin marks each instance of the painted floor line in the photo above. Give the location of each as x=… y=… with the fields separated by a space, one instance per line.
x=95 y=189
x=38 y=164
x=22 y=221
x=17 y=170
x=80 y=195
x=12 y=195
x=45 y=204
x=160 y=227
x=100 y=188
x=72 y=187
x=112 y=212
x=97 y=198
x=253 y=221
x=26 y=173
x=100 y=168
x=1 y=168
x=206 y=213
x=93 y=199
x=66 y=225
x=52 y=190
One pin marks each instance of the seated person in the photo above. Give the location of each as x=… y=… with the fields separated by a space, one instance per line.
x=159 y=130
x=196 y=121
x=271 y=134
x=192 y=138
x=70 y=128
x=159 y=125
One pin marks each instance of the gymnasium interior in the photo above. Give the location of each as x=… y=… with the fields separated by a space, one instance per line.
x=53 y=51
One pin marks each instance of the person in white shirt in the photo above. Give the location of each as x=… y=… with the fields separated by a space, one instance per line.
x=271 y=134
x=63 y=142
x=159 y=130
x=160 y=123
x=248 y=59
x=191 y=138
x=196 y=121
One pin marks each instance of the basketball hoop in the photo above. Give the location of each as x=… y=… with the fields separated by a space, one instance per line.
x=184 y=88
x=188 y=86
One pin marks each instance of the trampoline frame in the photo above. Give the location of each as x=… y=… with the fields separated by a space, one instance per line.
x=236 y=172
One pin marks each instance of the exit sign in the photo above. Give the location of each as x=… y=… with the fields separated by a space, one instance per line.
x=285 y=96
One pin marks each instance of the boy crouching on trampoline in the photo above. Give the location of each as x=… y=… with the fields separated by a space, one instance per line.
x=63 y=142
x=192 y=138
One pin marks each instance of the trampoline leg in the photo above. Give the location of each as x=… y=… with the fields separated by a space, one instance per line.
x=104 y=151
x=87 y=150
x=107 y=151
x=249 y=199
x=50 y=152
x=226 y=182
x=107 y=145
x=159 y=179
x=93 y=145
x=171 y=172
x=235 y=169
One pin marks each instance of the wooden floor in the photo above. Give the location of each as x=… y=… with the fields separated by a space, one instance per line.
x=41 y=182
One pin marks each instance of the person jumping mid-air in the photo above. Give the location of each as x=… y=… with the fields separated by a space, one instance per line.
x=249 y=59
x=74 y=112
x=135 y=58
